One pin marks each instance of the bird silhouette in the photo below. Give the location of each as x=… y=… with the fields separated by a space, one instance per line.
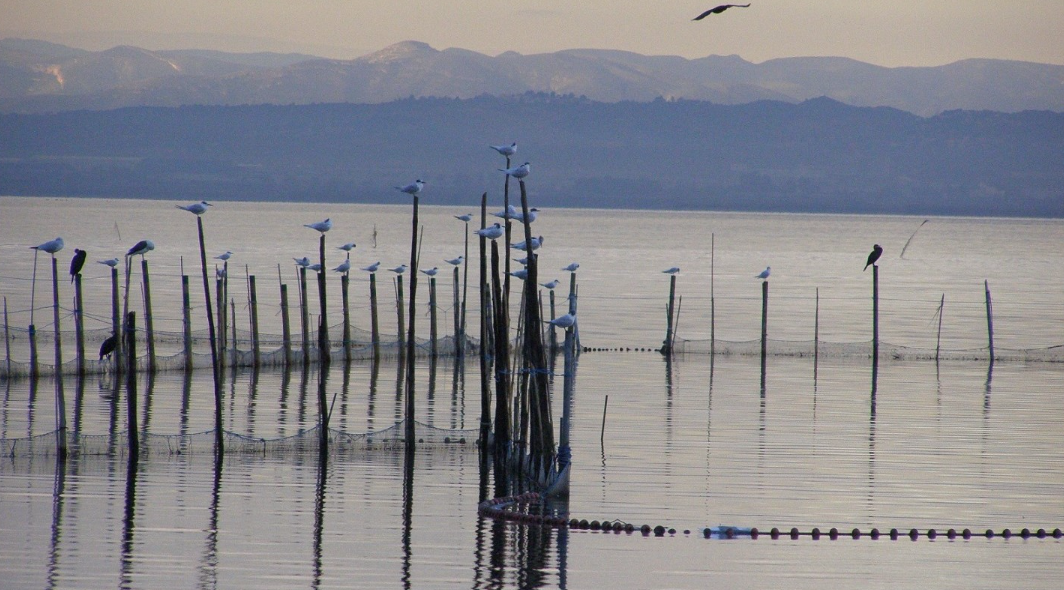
x=77 y=262
x=108 y=346
x=719 y=9
x=873 y=256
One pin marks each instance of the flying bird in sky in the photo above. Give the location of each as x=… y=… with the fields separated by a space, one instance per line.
x=719 y=9
x=77 y=262
x=873 y=256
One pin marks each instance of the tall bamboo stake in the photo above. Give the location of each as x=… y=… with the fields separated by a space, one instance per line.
x=7 y=341
x=79 y=325
x=130 y=343
x=286 y=329
x=186 y=324
x=304 y=315
x=712 y=295
x=34 y=360
x=324 y=352
x=410 y=341
x=572 y=310
x=989 y=320
x=375 y=334
x=666 y=346
x=502 y=357
x=553 y=332
x=60 y=398
x=485 y=381
x=816 y=333
x=255 y=349
x=938 y=338
x=344 y=283
x=149 y=331
x=875 y=317
x=465 y=291
x=399 y=300
x=433 y=351
x=764 y=320
x=116 y=319
x=215 y=369
x=456 y=306
x=223 y=332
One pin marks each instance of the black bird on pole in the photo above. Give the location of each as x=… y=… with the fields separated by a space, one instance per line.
x=108 y=346
x=77 y=262
x=873 y=256
x=719 y=9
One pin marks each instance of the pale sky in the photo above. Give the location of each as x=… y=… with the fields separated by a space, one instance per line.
x=883 y=32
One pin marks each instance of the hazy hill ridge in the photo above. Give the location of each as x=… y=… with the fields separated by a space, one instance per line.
x=36 y=76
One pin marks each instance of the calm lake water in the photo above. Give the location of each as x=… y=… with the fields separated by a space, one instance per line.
x=696 y=442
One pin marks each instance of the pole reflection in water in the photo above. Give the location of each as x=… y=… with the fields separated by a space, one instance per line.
x=374 y=375
x=127 y=558
x=186 y=402
x=58 y=492
x=304 y=378
x=149 y=390
x=345 y=390
x=253 y=394
x=319 y=517
x=282 y=410
x=79 y=406
x=408 y=513
x=31 y=409
x=458 y=372
x=400 y=375
x=430 y=395
x=208 y=566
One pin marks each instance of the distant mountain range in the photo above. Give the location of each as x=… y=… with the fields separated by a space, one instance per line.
x=36 y=76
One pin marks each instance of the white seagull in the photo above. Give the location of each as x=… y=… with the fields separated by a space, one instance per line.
x=51 y=246
x=303 y=262
x=506 y=150
x=455 y=261
x=521 y=274
x=197 y=208
x=572 y=267
x=551 y=285
x=112 y=262
x=399 y=269
x=517 y=171
x=764 y=274
x=492 y=232
x=142 y=247
x=412 y=188
x=225 y=256
x=432 y=271
x=536 y=243
x=316 y=267
x=373 y=267
x=564 y=321
x=466 y=217
x=344 y=266
x=321 y=226
x=347 y=247
x=671 y=271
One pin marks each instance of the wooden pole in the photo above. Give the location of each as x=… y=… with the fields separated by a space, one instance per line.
x=553 y=329
x=149 y=331
x=457 y=313
x=764 y=320
x=465 y=291
x=989 y=320
x=875 y=317
x=542 y=424
x=286 y=329
x=410 y=341
x=215 y=369
x=324 y=352
x=232 y=322
x=130 y=343
x=116 y=320
x=485 y=381
x=666 y=346
x=938 y=339
x=816 y=332
x=433 y=351
x=223 y=332
x=712 y=295
x=79 y=325
x=7 y=341
x=304 y=315
x=256 y=357
x=572 y=309
x=399 y=312
x=35 y=370
x=344 y=285
x=375 y=334
x=502 y=356
x=60 y=398
x=186 y=312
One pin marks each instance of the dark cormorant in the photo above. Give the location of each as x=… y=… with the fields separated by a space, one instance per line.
x=108 y=346
x=77 y=262
x=873 y=256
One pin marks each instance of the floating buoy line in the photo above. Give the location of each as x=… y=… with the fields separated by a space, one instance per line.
x=517 y=509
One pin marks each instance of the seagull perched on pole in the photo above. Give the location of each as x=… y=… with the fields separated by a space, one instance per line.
x=432 y=271
x=671 y=271
x=536 y=243
x=572 y=267
x=51 y=246
x=506 y=150
x=197 y=208
x=517 y=171
x=565 y=321
x=764 y=274
x=412 y=188
x=873 y=256
x=552 y=285
x=223 y=257
x=467 y=217
x=316 y=267
x=344 y=266
x=719 y=9
x=142 y=247
x=521 y=273
x=399 y=269
x=492 y=232
x=77 y=262
x=113 y=262
x=322 y=226
x=347 y=247
x=455 y=261
x=373 y=267
x=302 y=262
